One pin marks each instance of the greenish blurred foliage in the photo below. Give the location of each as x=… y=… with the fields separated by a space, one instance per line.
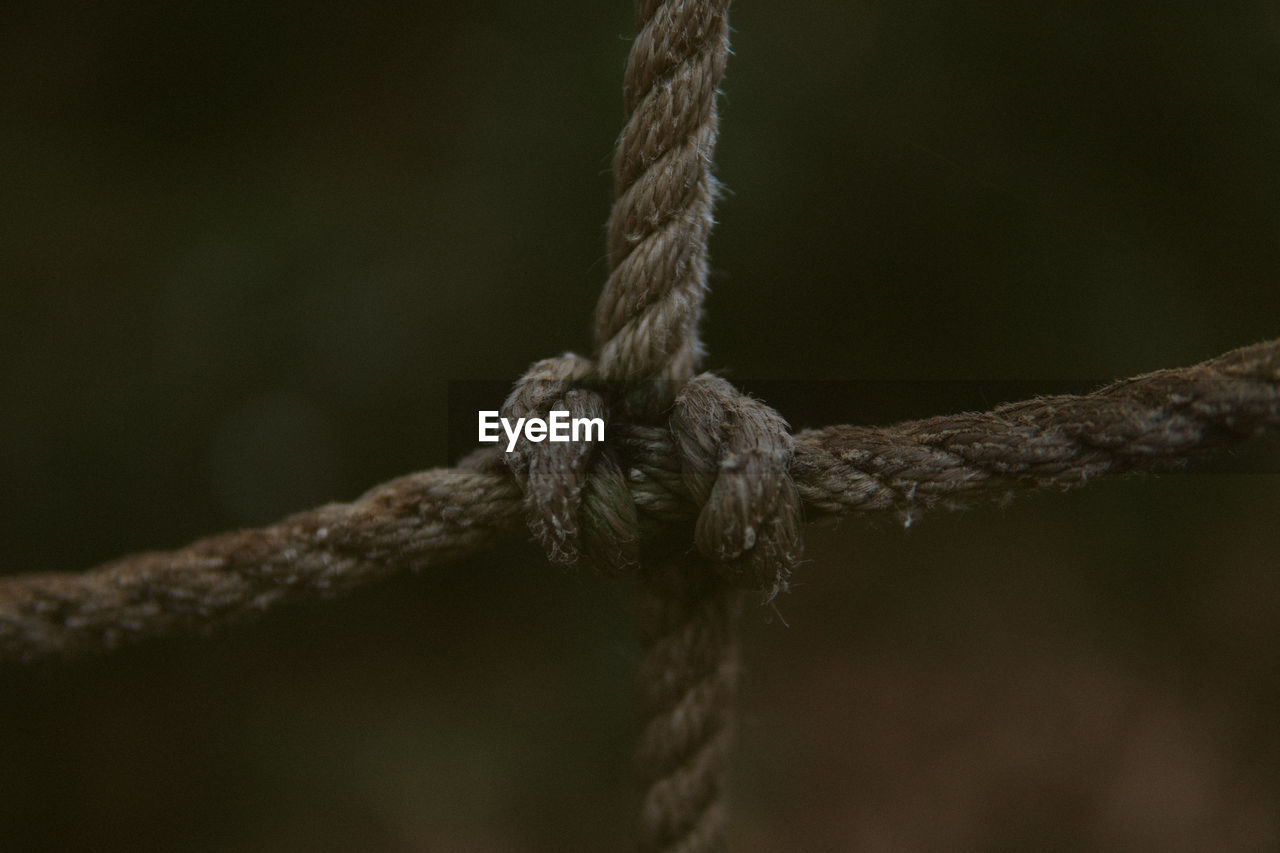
x=245 y=248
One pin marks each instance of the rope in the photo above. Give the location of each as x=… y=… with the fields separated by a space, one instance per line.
x=734 y=452
x=408 y=523
x=647 y=316
x=681 y=447
x=685 y=690
x=561 y=480
x=1150 y=423
x=736 y=456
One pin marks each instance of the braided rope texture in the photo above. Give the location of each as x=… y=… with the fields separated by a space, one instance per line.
x=647 y=329
x=730 y=452
x=685 y=689
x=720 y=457
x=647 y=316
x=733 y=456
x=562 y=482
x=1149 y=423
x=408 y=523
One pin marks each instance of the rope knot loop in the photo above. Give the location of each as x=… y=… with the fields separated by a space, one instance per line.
x=575 y=493
x=732 y=454
x=735 y=454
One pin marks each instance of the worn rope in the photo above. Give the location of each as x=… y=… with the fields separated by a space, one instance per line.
x=407 y=523
x=1149 y=423
x=647 y=317
x=734 y=452
x=685 y=690
x=682 y=447
x=561 y=480
x=736 y=455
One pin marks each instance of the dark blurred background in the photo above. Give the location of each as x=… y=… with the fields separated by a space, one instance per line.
x=246 y=248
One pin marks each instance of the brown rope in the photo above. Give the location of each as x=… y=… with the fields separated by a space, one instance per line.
x=736 y=455
x=408 y=523
x=646 y=330
x=724 y=457
x=685 y=694
x=1150 y=423
x=562 y=480
x=647 y=317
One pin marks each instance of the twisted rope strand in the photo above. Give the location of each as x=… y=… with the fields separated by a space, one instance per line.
x=408 y=523
x=563 y=480
x=647 y=329
x=685 y=690
x=736 y=454
x=1149 y=423
x=647 y=317
x=727 y=458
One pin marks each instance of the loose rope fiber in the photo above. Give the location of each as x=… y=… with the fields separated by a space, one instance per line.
x=1149 y=423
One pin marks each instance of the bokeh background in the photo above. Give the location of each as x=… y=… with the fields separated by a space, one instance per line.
x=245 y=249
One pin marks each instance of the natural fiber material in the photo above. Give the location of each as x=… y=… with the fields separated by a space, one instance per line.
x=678 y=447
x=647 y=318
x=561 y=480
x=734 y=452
x=647 y=329
x=685 y=689
x=735 y=455
x=408 y=523
x=1150 y=423
x=730 y=453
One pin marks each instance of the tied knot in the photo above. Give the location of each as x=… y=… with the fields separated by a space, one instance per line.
x=733 y=454
x=575 y=493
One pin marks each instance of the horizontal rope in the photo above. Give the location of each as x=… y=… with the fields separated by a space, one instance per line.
x=410 y=522
x=1150 y=423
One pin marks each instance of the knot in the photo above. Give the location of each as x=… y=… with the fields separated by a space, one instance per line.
x=735 y=455
x=732 y=454
x=575 y=493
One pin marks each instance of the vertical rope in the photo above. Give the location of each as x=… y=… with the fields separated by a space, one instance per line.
x=647 y=316
x=685 y=695
x=647 y=329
